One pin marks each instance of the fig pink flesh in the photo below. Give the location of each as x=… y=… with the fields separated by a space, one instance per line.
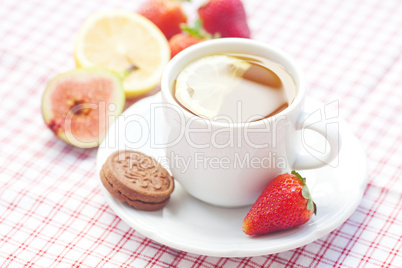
x=81 y=106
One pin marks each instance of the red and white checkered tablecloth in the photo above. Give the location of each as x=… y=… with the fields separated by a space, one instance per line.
x=52 y=211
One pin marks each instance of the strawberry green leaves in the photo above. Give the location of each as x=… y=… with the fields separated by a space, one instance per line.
x=306 y=193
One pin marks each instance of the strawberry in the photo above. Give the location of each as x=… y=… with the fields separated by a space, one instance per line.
x=166 y=14
x=188 y=37
x=284 y=204
x=181 y=41
x=226 y=17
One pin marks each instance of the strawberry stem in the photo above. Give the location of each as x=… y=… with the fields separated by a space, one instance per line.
x=197 y=30
x=306 y=192
x=302 y=180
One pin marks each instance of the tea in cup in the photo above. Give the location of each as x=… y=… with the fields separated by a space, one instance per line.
x=240 y=88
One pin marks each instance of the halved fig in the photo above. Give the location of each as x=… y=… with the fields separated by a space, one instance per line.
x=79 y=106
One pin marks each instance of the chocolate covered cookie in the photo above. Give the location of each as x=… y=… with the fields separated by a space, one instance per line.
x=137 y=179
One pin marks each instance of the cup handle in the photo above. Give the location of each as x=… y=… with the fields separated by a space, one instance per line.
x=327 y=130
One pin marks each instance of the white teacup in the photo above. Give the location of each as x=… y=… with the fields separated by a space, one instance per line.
x=230 y=164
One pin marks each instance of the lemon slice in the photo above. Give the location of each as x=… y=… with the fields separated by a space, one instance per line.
x=124 y=42
x=203 y=84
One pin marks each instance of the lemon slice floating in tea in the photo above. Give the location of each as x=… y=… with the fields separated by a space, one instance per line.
x=203 y=84
x=124 y=42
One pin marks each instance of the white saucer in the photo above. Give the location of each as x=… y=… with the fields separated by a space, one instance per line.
x=190 y=225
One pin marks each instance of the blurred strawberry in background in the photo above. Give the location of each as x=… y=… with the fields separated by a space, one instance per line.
x=166 y=14
x=188 y=37
x=217 y=18
x=225 y=17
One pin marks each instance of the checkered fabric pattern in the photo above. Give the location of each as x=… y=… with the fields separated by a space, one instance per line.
x=52 y=211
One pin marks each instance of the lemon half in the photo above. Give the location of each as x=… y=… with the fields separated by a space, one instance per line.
x=124 y=42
